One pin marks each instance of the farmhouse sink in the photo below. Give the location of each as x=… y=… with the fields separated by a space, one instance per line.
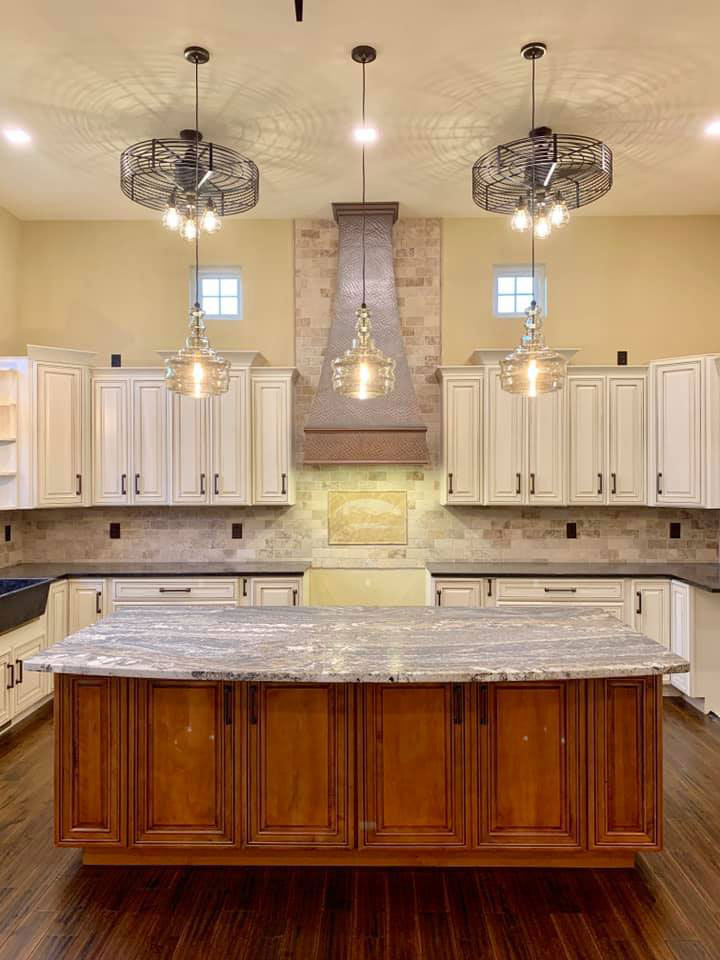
x=22 y=600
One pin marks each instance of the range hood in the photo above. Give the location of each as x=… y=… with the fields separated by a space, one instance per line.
x=385 y=429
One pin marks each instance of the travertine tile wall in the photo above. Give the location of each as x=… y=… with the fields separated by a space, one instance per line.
x=434 y=532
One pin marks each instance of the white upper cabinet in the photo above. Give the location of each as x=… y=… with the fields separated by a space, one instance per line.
x=678 y=432
x=149 y=441
x=586 y=440
x=546 y=428
x=111 y=440
x=190 y=435
x=627 y=440
x=505 y=480
x=230 y=442
x=61 y=430
x=462 y=438
x=272 y=422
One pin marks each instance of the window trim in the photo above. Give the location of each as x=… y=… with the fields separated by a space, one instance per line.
x=221 y=273
x=512 y=270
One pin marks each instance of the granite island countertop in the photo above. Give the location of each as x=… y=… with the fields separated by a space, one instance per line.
x=358 y=645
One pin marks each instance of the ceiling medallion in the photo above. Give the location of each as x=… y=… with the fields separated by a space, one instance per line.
x=540 y=178
x=160 y=174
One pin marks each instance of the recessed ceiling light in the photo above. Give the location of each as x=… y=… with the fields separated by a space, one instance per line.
x=365 y=134
x=713 y=129
x=17 y=136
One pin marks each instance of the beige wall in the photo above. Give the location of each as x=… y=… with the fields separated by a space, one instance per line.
x=122 y=287
x=648 y=285
x=9 y=278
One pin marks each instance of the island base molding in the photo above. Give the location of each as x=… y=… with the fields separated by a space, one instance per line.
x=551 y=773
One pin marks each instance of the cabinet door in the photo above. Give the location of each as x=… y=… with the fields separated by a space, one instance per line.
x=463 y=440
x=586 y=453
x=7 y=680
x=530 y=740
x=651 y=599
x=627 y=481
x=149 y=443
x=86 y=603
x=625 y=715
x=277 y=592
x=110 y=441
x=458 y=593
x=681 y=631
x=272 y=440
x=29 y=684
x=181 y=758
x=298 y=764
x=505 y=443
x=90 y=761
x=678 y=432
x=414 y=765
x=57 y=620
x=545 y=417
x=60 y=437
x=231 y=443
x=190 y=450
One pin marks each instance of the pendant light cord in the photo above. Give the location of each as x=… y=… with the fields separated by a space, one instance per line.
x=197 y=178
x=532 y=185
x=363 y=185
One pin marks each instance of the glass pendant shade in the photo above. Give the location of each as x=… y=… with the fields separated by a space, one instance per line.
x=533 y=368
x=171 y=219
x=210 y=222
x=196 y=370
x=521 y=219
x=188 y=228
x=559 y=213
x=363 y=372
x=543 y=226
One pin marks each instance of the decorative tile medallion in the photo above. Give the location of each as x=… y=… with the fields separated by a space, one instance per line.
x=367 y=516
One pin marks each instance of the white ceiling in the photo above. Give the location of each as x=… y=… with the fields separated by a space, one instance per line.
x=88 y=77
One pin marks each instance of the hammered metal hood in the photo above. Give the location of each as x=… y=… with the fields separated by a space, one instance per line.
x=386 y=429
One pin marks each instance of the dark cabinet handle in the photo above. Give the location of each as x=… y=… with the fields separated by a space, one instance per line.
x=78 y=488
x=216 y=484
x=659 y=484
x=517 y=483
x=295 y=598
x=489 y=593
x=483 y=718
x=137 y=484
x=532 y=483
x=450 y=486
x=175 y=589
x=599 y=483
x=244 y=586
x=123 y=484
x=613 y=477
x=202 y=484
x=560 y=589
x=98 y=601
x=11 y=683
x=227 y=704
x=438 y=594
x=638 y=608
x=283 y=479
x=252 y=695
x=457 y=703
x=19 y=672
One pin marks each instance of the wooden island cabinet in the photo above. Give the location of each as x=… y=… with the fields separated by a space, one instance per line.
x=546 y=773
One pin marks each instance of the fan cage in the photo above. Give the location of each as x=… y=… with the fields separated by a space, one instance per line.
x=579 y=169
x=152 y=170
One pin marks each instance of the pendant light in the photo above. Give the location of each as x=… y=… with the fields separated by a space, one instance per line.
x=363 y=372
x=533 y=368
x=196 y=370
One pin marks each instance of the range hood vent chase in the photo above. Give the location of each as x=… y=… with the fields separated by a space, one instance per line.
x=385 y=429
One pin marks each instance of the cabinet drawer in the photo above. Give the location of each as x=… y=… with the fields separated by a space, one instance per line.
x=557 y=590
x=175 y=589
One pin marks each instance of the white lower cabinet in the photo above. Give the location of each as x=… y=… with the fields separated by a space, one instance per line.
x=681 y=634
x=86 y=603
x=21 y=689
x=276 y=592
x=456 y=592
x=56 y=613
x=651 y=609
x=154 y=590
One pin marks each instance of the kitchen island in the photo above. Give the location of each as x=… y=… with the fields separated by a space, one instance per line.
x=365 y=736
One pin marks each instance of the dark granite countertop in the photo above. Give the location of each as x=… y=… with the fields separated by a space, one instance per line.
x=100 y=568
x=703 y=575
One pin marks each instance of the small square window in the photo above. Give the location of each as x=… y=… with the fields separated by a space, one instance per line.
x=513 y=289
x=220 y=292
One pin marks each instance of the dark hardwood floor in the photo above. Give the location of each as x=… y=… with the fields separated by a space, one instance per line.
x=669 y=907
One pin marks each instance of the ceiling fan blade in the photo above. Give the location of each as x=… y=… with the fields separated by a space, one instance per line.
x=299 y=10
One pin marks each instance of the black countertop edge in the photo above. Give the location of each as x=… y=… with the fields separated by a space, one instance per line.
x=64 y=571
x=706 y=576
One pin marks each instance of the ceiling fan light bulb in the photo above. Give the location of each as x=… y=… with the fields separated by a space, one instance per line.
x=559 y=213
x=521 y=220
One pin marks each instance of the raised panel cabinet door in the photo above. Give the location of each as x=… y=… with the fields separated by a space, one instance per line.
x=627 y=440
x=30 y=687
x=149 y=483
x=546 y=447
x=272 y=440
x=57 y=621
x=651 y=606
x=90 y=757
x=59 y=428
x=530 y=742
x=413 y=765
x=681 y=631
x=458 y=593
x=231 y=443
x=86 y=603
x=190 y=480
x=298 y=764
x=625 y=802
x=111 y=452
x=277 y=592
x=463 y=440
x=678 y=433
x=504 y=444
x=181 y=761
x=586 y=452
